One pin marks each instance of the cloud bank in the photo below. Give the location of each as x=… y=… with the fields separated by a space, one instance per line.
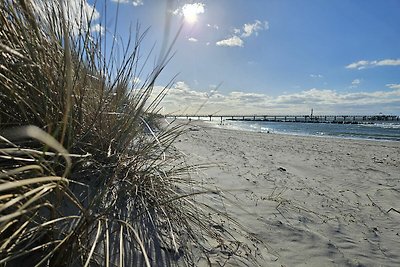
x=182 y=99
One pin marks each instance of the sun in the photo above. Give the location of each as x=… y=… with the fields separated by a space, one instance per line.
x=190 y=15
x=191 y=11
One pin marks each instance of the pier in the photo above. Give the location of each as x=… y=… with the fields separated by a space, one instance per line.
x=342 y=119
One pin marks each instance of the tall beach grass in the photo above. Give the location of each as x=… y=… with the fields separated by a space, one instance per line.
x=88 y=175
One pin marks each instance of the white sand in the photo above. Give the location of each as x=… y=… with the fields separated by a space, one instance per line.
x=312 y=201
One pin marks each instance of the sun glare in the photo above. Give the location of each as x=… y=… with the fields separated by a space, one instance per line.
x=191 y=11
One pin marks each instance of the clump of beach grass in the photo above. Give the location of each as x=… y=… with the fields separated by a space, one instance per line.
x=87 y=177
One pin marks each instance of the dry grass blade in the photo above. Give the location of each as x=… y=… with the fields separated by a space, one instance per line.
x=22 y=169
x=95 y=242
x=121 y=246
x=38 y=134
x=139 y=241
x=14 y=200
x=107 y=246
x=37 y=180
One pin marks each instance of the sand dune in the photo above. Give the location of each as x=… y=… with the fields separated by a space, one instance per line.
x=312 y=201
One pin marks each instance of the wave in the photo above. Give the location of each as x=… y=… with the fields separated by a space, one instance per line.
x=378 y=131
x=383 y=125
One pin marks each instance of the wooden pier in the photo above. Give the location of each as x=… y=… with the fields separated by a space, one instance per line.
x=342 y=119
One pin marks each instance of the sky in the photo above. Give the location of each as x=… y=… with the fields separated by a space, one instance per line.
x=267 y=56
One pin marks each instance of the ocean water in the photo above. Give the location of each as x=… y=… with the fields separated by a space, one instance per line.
x=389 y=131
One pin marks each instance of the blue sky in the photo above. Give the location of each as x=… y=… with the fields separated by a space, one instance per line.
x=271 y=56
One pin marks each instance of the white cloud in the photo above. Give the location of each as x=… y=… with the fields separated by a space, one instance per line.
x=134 y=2
x=190 y=11
x=329 y=97
x=316 y=76
x=216 y=27
x=182 y=99
x=137 y=3
x=358 y=65
x=79 y=13
x=355 y=83
x=388 y=62
x=136 y=80
x=233 y=41
x=253 y=28
x=362 y=64
x=192 y=39
x=394 y=86
x=247 y=30
x=97 y=28
x=197 y=8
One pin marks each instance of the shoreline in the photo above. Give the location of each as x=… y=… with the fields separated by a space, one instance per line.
x=319 y=136
x=232 y=127
x=312 y=201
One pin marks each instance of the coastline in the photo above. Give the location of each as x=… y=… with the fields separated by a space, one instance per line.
x=329 y=130
x=312 y=201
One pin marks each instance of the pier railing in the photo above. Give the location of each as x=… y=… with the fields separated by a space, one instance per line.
x=294 y=118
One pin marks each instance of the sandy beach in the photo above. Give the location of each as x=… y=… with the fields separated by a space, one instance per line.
x=312 y=201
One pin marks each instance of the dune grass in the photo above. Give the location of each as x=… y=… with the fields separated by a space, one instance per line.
x=88 y=176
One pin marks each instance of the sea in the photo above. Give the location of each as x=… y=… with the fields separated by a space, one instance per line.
x=384 y=131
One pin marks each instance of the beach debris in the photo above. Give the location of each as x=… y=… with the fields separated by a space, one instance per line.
x=281 y=169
